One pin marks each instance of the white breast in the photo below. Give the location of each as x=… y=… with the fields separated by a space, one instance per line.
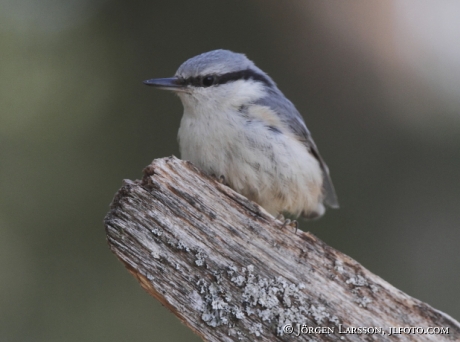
x=271 y=168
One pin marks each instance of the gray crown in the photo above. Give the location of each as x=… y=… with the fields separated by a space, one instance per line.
x=216 y=62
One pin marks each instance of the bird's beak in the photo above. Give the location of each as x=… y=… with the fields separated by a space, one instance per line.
x=171 y=83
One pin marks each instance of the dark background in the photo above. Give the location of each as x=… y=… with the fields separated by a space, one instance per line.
x=377 y=82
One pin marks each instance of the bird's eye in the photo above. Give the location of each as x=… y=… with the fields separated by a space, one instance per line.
x=207 y=81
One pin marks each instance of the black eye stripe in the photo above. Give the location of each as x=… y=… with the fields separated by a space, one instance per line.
x=229 y=77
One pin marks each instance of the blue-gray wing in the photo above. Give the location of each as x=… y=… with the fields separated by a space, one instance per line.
x=292 y=118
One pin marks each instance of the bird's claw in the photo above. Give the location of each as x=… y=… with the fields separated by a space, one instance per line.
x=288 y=223
x=220 y=179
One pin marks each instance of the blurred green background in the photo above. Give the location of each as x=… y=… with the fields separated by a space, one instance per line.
x=377 y=82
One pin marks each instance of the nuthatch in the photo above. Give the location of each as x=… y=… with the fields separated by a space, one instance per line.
x=237 y=125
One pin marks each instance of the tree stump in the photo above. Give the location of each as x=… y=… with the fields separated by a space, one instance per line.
x=231 y=272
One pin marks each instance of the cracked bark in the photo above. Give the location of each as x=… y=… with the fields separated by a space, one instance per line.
x=230 y=272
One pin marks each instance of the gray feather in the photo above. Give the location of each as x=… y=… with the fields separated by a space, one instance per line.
x=216 y=62
x=292 y=119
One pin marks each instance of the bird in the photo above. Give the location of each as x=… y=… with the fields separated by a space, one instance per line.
x=239 y=127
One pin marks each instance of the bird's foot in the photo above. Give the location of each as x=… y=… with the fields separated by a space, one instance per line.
x=221 y=179
x=288 y=223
